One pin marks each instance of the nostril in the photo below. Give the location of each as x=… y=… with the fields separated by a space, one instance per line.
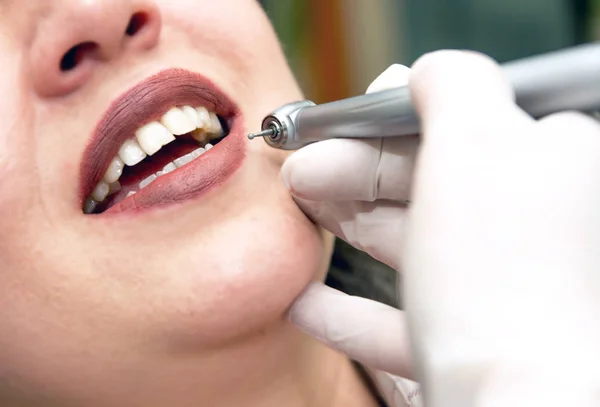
x=75 y=55
x=137 y=21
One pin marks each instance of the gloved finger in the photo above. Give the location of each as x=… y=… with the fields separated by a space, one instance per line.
x=448 y=85
x=369 y=332
x=347 y=170
x=373 y=227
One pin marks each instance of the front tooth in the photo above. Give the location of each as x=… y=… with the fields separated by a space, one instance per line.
x=181 y=161
x=203 y=118
x=191 y=113
x=198 y=152
x=153 y=136
x=131 y=153
x=208 y=146
x=147 y=181
x=114 y=171
x=177 y=122
x=168 y=168
x=100 y=192
x=216 y=128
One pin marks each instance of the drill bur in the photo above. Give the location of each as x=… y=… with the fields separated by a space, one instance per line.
x=270 y=132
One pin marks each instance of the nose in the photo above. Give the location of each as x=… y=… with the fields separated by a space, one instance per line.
x=75 y=38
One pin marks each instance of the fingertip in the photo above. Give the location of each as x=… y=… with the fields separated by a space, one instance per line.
x=307 y=310
x=298 y=173
x=369 y=332
x=321 y=171
x=452 y=80
x=394 y=76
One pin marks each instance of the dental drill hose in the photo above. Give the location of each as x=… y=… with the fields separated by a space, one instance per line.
x=564 y=80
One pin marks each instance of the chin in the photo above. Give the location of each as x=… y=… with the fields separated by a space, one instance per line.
x=240 y=280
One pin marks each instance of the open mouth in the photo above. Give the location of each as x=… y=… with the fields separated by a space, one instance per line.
x=168 y=139
x=158 y=148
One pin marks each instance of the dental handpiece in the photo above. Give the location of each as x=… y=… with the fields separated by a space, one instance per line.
x=563 y=80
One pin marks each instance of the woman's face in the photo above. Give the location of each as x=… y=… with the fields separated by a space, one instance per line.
x=205 y=256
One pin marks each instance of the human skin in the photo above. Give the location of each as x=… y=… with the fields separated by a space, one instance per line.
x=182 y=305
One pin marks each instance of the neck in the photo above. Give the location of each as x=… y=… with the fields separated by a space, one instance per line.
x=277 y=367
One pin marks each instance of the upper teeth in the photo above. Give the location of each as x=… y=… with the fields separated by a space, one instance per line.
x=149 y=139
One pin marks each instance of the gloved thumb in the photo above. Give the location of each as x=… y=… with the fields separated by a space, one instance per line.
x=369 y=332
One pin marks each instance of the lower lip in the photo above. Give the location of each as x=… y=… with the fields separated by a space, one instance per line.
x=205 y=173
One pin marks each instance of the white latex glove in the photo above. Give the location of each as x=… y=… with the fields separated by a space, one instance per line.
x=501 y=260
x=357 y=190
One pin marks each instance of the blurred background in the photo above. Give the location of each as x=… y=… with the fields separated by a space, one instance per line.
x=336 y=47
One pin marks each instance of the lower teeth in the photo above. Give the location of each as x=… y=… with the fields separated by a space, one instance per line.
x=179 y=162
x=148 y=180
x=90 y=204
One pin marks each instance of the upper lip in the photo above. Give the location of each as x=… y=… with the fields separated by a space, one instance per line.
x=145 y=102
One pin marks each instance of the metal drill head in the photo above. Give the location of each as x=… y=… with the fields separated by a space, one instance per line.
x=279 y=126
x=270 y=132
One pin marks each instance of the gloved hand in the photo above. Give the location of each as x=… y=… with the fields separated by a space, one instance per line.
x=499 y=248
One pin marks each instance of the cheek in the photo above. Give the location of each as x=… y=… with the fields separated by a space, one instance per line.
x=238 y=32
x=247 y=276
x=242 y=277
x=18 y=178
